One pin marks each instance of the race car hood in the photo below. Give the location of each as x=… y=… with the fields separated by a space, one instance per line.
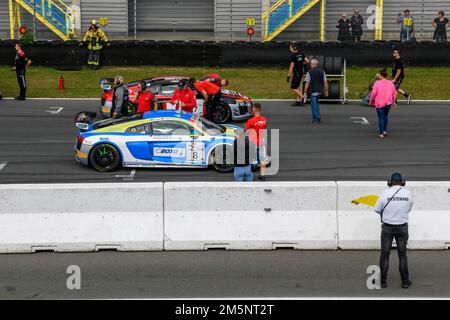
x=235 y=95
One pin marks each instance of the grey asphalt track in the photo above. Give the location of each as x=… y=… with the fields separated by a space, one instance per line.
x=36 y=146
x=219 y=274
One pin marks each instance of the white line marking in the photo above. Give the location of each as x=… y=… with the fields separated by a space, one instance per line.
x=3 y=165
x=418 y=162
x=361 y=120
x=55 y=110
x=129 y=177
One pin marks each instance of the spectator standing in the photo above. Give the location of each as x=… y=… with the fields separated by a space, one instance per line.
x=144 y=98
x=356 y=22
x=256 y=128
x=242 y=158
x=184 y=98
x=21 y=63
x=316 y=85
x=96 y=38
x=440 y=27
x=383 y=96
x=398 y=74
x=394 y=206
x=296 y=68
x=120 y=98
x=407 y=26
x=344 y=25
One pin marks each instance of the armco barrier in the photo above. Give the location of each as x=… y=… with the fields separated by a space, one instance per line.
x=250 y=216
x=429 y=228
x=81 y=217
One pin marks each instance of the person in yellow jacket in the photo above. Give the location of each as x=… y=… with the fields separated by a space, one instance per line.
x=95 y=39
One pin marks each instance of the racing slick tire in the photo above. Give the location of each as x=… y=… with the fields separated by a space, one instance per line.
x=221 y=159
x=104 y=158
x=338 y=65
x=222 y=113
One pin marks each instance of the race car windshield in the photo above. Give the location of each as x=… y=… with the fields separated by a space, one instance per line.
x=210 y=127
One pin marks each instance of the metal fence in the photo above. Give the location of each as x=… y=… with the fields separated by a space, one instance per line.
x=301 y=20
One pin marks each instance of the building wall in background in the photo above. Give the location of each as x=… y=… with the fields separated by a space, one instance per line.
x=231 y=18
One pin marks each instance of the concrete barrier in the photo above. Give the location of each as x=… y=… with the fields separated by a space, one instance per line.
x=250 y=216
x=359 y=226
x=81 y=217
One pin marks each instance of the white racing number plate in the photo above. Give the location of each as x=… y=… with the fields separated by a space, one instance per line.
x=195 y=151
x=169 y=152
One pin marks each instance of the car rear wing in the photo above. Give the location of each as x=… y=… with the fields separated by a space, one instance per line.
x=107 y=83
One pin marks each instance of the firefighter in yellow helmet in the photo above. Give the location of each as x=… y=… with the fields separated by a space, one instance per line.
x=95 y=39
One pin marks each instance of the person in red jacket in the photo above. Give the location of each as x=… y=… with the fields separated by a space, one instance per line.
x=216 y=79
x=211 y=93
x=144 y=98
x=254 y=127
x=184 y=97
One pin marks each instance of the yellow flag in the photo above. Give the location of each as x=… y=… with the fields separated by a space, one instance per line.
x=369 y=200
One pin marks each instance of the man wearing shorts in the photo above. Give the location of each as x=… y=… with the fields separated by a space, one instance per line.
x=398 y=74
x=296 y=68
x=256 y=127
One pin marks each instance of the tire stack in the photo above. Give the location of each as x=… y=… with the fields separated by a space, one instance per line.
x=335 y=71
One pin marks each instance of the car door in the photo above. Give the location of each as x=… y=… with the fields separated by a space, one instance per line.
x=171 y=142
x=138 y=142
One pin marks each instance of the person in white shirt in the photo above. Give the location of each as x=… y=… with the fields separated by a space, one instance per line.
x=394 y=206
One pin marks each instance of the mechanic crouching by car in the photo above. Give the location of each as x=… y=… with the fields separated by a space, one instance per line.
x=120 y=98
x=184 y=98
x=144 y=98
x=211 y=93
x=95 y=37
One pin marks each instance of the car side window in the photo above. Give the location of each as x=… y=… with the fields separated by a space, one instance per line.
x=171 y=128
x=141 y=128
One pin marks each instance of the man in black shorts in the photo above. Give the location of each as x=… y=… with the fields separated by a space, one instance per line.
x=296 y=70
x=398 y=74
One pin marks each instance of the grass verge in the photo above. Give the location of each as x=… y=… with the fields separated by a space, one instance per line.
x=268 y=83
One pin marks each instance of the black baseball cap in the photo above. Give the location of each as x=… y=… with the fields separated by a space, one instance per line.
x=183 y=83
x=396 y=177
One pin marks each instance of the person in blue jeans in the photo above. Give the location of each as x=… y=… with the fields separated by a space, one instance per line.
x=242 y=157
x=316 y=84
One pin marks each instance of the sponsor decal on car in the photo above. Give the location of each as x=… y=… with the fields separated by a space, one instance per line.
x=169 y=152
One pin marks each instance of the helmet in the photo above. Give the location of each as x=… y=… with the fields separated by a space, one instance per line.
x=94 y=22
x=396 y=177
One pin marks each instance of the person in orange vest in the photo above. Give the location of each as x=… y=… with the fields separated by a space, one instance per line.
x=184 y=98
x=144 y=98
x=211 y=93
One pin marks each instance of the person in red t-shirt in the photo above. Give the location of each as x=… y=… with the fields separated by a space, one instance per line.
x=211 y=93
x=254 y=127
x=144 y=98
x=184 y=97
x=216 y=79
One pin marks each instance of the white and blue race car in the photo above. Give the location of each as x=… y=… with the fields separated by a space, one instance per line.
x=162 y=139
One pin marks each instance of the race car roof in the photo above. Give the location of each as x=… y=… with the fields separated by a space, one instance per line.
x=167 y=114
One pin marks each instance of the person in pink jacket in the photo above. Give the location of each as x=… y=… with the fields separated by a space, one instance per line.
x=384 y=96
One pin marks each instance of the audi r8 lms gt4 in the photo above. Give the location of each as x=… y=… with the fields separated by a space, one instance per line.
x=233 y=105
x=161 y=139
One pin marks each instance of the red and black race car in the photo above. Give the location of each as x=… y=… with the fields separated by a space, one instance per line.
x=233 y=106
